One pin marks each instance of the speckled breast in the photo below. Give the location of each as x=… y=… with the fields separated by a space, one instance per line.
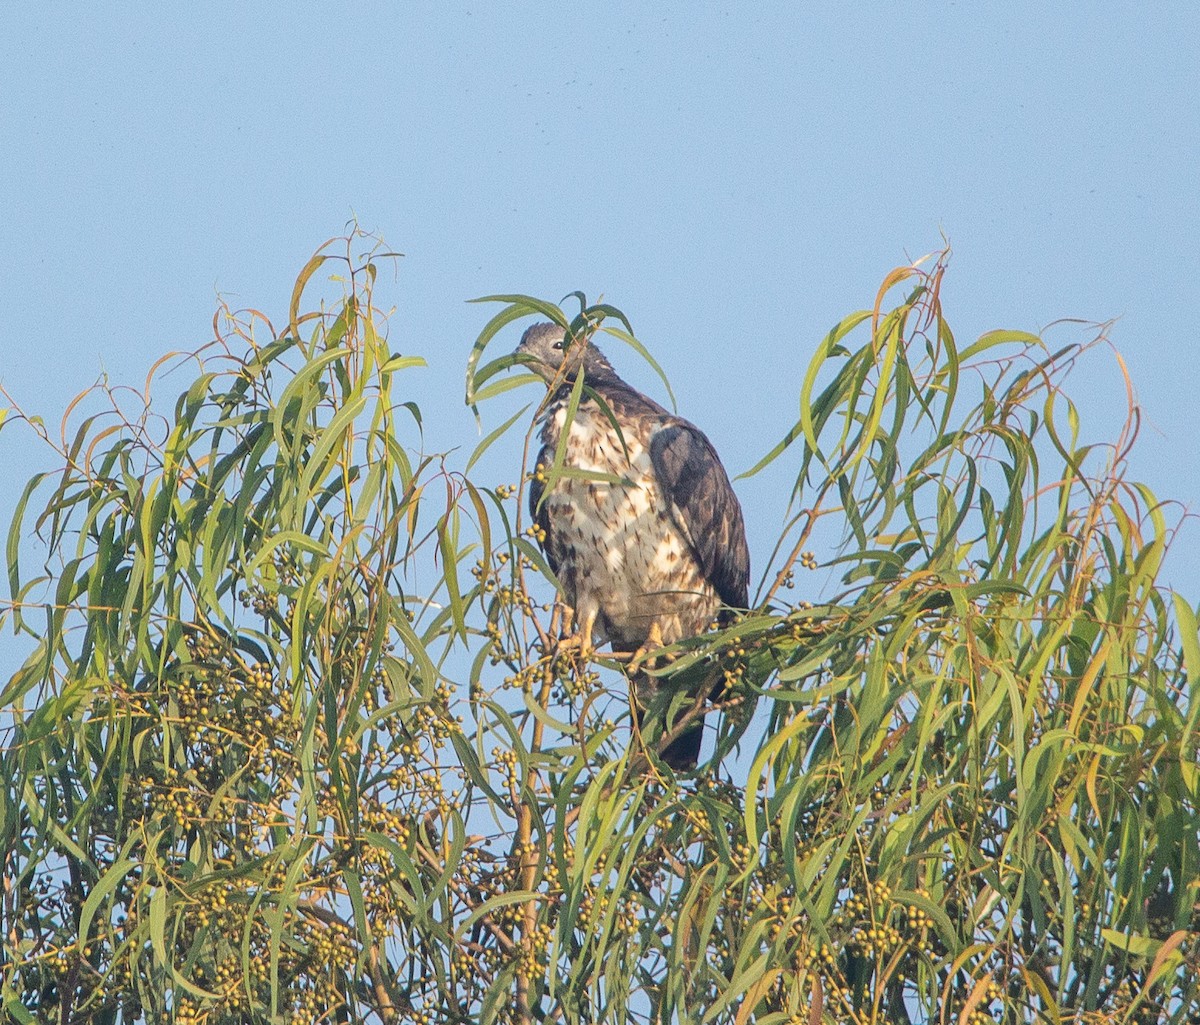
x=619 y=549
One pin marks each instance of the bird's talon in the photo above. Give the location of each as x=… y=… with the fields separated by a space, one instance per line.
x=653 y=642
x=580 y=641
x=575 y=644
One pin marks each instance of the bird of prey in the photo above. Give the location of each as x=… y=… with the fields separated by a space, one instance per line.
x=648 y=542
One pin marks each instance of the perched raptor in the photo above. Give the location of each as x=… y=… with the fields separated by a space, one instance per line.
x=654 y=558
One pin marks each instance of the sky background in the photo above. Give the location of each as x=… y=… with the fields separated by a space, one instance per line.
x=735 y=177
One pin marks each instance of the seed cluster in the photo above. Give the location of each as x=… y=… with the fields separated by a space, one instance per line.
x=252 y=860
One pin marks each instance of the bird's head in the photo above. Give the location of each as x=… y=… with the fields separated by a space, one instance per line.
x=554 y=356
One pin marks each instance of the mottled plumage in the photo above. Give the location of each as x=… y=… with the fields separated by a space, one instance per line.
x=655 y=557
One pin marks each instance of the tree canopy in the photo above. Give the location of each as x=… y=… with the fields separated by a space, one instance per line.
x=294 y=740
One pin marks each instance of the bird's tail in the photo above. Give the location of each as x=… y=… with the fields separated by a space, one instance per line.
x=682 y=752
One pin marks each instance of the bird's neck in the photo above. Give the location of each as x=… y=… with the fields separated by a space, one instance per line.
x=595 y=376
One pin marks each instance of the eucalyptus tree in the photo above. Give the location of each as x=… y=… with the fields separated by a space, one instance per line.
x=295 y=738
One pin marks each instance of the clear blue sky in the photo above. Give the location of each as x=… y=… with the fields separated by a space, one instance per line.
x=735 y=177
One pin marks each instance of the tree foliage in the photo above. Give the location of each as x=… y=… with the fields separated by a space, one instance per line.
x=295 y=741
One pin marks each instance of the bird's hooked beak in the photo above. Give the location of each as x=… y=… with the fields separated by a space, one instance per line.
x=535 y=352
x=535 y=364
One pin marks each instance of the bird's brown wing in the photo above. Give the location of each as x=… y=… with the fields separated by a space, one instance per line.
x=704 y=506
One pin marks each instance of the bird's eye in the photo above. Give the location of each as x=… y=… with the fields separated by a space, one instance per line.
x=557 y=345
